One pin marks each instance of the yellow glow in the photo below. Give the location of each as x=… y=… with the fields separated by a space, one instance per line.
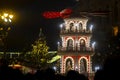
x=5 y=20
x=9 y=28
x=2 y=17
x=5 y=14
x=7 y=17
x=54 y=59
x=115 y=30
x=1 y=28
x=10 y=20
x=11 y=16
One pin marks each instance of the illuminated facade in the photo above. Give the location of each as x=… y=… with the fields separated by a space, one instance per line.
x=75 y=48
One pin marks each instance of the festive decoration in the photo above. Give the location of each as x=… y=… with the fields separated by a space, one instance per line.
x=54 y=14
x=65 y=13
x=75 y=49
x=51 y=14
x=39 y=57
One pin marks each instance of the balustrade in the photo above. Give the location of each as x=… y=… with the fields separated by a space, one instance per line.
x=79 y=49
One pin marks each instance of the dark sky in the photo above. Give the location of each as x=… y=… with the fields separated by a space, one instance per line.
x=28 y=20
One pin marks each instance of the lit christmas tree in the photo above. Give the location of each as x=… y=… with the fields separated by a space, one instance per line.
x=38 y=57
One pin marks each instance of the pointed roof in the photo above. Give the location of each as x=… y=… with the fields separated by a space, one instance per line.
x=40 y=33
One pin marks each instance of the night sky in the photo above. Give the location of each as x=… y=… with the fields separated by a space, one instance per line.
x=28 y=20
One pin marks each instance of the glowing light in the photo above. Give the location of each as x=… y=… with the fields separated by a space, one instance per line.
x=6 y=17
x=91 y=27
x=5 y=14
x=61 y=25
x=115 y=29
x=97 y=68
x=76 y=42
x=65 y=13
x=5 y=20
x=2 y=17
x=1 y=28
x=93 y=44
x=10 y=20
x=55 y=68
x=54 y=14
x=58 y=43
x=76 y=24
x=54 y=59
x=11 y=16
x=51 y=14
x=76 y=67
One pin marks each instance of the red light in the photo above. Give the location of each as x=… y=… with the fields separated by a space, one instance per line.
x=53 y=14
x=66 y=13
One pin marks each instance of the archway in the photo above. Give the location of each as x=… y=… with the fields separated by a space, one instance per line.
x=68 y=65
x=70 y=44
x=80 y=27
x=71 y=27
x=83 y=65
x=82 y=44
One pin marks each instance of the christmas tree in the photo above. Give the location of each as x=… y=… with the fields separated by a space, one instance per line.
x=38 y=57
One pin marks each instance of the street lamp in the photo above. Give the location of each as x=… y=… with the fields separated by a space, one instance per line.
x=91 y=27
x=58 y=45
x=97 y=68
x=55 y=68
x=93 y=45
x=5 y=18
x=61 y=26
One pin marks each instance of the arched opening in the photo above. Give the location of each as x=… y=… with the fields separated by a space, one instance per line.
x=70 y=44
x=83 y=65
x=68 y=64
x=82 y=44
x=80 y=27
x=71 y=27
